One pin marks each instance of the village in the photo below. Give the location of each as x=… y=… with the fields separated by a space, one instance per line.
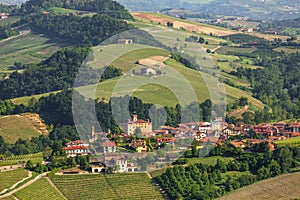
x=127 y=151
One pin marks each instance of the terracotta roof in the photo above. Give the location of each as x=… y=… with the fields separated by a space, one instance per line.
x=75 y=148
x=76 y=142
x=108 y=144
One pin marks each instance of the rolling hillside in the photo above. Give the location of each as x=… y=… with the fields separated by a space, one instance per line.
x=282 y=187
x=23 y=126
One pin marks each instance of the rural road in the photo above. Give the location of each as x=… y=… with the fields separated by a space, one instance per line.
x=23 y=186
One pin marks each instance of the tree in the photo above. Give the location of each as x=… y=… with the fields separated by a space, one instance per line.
x=243 y=101
x=170 y=24
x=201 y=40
x=138 y=133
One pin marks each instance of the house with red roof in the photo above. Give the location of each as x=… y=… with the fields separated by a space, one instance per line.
x=109 y=147
x=77 y=147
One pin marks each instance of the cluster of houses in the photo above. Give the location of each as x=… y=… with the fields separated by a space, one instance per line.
x=214 y=132
x=3 y=16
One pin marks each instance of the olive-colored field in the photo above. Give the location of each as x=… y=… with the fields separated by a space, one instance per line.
x=23 y=126
x=115 y=186
x=41 y=189
x=9 y=178
x=282 y=187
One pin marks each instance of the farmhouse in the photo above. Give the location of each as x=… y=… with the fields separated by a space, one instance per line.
x=134 y=123
x=125 y=41
x=77 y=147
x=3 y=16
x=139 y=145
x=148 y=71
x=109 y=147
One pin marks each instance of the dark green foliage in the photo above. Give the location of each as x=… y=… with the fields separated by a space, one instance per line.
x=79 y=30
x=245 y=39
x=198 y=181
x=111 y=72
x=6 y=32
x=277 y=85
x=57 y=72
x=9 y=9
x=107 y=7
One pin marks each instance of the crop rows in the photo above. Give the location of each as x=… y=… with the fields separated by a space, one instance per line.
x=41 y=189
x=116 y=186
x=24 y=157
x=9 y=178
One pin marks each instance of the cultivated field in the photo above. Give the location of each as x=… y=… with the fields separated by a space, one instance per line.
x=292 y=141
x=212 y=160
x=41 y=189
x=115 y=186
x=9 y=178
x=282 y=187
x=27 y=48
x=178 y=23
x=13 y=160
x=23 y=126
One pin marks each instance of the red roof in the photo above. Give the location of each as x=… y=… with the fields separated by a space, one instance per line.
x=108 y=144
x=76 y=142
x=75 y=148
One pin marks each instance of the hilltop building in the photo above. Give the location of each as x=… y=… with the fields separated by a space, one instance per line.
x=125 y=41
x=134 y=123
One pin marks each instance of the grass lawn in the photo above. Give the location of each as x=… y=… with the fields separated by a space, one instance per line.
x=9 y=178
x=40 y=189
x=115 y=186
x=9 y=21
x=212 y=160
x=293 y=141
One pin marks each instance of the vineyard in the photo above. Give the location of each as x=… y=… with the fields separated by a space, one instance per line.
x=13 y=160
x=116 y=186
x=41 y=189
x=9 y=178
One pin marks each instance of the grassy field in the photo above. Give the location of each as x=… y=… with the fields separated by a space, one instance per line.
x=28 y=48
x=24 y=100
x=282 y=187
x=9 y=178
x=24 y=126
x=41 y=189
x=116 y=186
x=288 y=49
x=226 y=49
x=13 y=160
x=9 y=21
x=212 y=160
x=292 y=141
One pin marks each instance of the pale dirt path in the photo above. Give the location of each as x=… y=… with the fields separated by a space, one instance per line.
x=23 y=186
x=48 y=179
x=15 y=185
x=148 y=174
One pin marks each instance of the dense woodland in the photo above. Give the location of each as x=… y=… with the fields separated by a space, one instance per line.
x=280 y=26
x=55 y=73
x=199 y=181
x=79 y=30
x=107 y=7
x=276 y=84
